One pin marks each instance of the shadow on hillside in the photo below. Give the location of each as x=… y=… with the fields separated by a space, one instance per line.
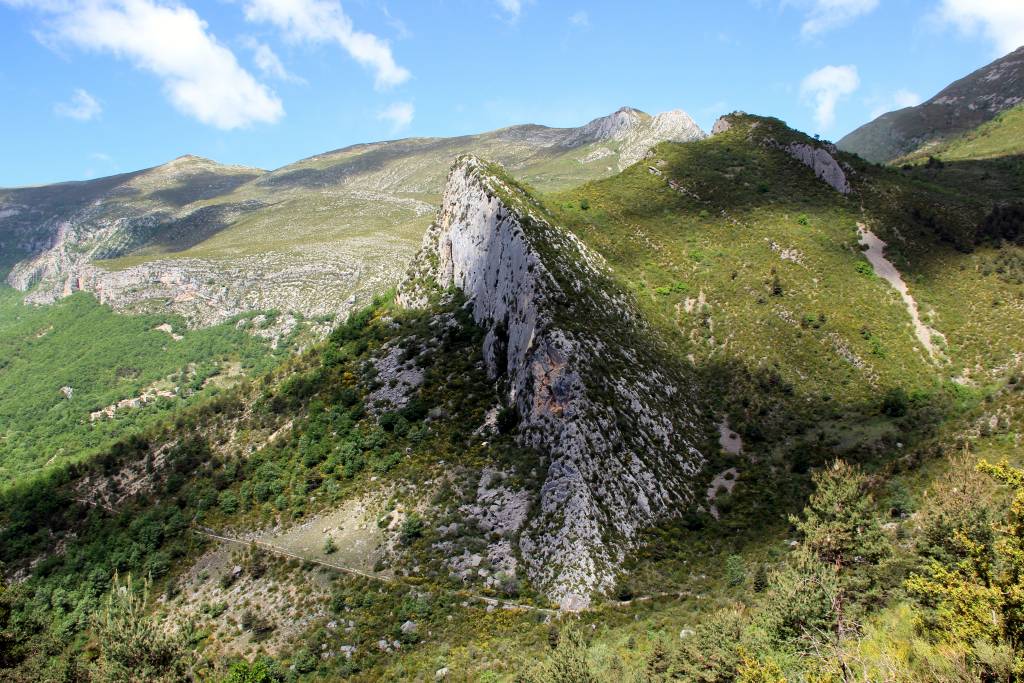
x=200 y=225
x=376 y=158
x=995 y=179
x=205 y=185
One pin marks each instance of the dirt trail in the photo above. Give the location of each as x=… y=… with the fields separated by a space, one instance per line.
x=277 y=550
x=496 y=602
x=885 y=269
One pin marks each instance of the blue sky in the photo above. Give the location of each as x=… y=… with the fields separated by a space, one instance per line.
x=95 y=87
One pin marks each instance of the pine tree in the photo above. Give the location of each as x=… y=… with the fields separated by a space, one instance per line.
x=568 y=663
x=658 y=662
x=761 y=578
x=839 y=525
x=134 y=646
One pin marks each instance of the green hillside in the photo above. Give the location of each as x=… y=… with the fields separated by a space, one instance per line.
x=309 y=534
x=1001 y=137
x=103 y=358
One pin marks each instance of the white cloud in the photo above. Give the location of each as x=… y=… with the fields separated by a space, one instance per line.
x=81 y=107
x=1000 y=21
x=513 y=7
x=825 y=87
x=201 y=77
x=580 y=19
x=269 y=63
x=399 y=114
x=900 y=99
x=825 y=15
x=323 y=21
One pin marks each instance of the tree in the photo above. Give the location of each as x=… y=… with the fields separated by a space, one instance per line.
x=837 y=562
x=412 y=528
x=658 y=662
x=134 y=646
x=263 y=670
x=978 y=600
x=839 y=525
x=712 y=654
x=566 y=664
x=735 y=570
x=760 y=578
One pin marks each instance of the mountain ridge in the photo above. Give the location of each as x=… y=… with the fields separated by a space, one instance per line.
x=611 y=472
x=210 y=241
x=961 y=106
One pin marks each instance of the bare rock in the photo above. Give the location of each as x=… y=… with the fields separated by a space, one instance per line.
x=824 y=165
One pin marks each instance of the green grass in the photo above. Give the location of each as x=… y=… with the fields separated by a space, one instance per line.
x=1000 y=137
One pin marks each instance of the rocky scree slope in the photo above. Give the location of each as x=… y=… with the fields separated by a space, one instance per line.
x=211 y=241
x=961 y=106
x=596 y=395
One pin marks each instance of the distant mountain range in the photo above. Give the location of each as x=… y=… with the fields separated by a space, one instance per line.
x=962 y=106
x=313 y=238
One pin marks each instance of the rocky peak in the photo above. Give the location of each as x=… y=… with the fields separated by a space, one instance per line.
x=597 y=397
x=635 y=132
x=611 y=127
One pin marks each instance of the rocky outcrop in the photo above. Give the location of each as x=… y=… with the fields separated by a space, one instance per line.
x=596 y=396
x=722 y=124
x=821 y=161
x=636 y=132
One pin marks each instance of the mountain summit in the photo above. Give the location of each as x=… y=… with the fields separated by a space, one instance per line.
x=610 y=412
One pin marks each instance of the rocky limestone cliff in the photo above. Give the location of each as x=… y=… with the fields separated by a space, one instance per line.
x=821 y=161
x=613 y=418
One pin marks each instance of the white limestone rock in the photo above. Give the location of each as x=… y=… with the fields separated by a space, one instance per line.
x=636 y=131
x=824 y=165
x=618 y=434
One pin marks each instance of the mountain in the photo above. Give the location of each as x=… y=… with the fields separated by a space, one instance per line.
x=312 y=238
x=958 y=108
x=572 y=350
x=715 y=416
x=1003 y=136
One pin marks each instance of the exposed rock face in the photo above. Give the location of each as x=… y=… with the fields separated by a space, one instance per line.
x=824 y=165
x=721 y=125
x=636 y=131
x=593 y=392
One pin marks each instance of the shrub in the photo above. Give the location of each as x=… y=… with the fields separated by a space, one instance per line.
x=895 y=403
x=864 y=268
x=735 y=571
x=1003 y=222
x=412 y=528
x=507 y=419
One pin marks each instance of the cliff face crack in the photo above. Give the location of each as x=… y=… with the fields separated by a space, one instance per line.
x=596 y=397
